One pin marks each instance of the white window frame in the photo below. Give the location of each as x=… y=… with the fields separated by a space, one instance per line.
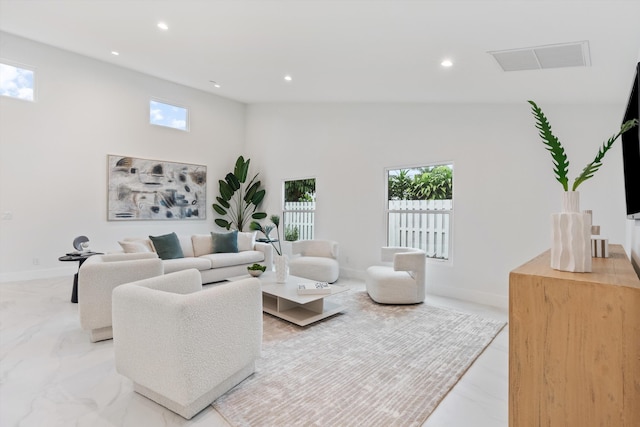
x=449 y=212
x=22 y=67
x=175 y=105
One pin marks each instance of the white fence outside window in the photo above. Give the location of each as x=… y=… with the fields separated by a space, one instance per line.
x=421 y=224
x=300 y=215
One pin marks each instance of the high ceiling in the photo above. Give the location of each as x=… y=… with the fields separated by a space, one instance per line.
x=347 y=50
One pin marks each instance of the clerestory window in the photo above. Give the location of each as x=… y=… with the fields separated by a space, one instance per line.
x=168 y=115
x=17 y=82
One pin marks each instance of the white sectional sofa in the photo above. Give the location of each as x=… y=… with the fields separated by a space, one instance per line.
x=199 y=252
x=100 y=274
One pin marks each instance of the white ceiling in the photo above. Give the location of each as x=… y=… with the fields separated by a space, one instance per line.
x=347 y=50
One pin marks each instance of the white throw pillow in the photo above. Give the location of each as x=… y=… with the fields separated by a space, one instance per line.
x=133 y=247
x=202 y=244
x=246 y=241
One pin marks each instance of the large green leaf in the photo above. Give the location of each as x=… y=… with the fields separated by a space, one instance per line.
x=225 y=190
x=219 y=209
x=553 y=145
x=251 y=191
x=593 y=167
x=259 y=215
x=257 y=198
x=233 y=182
x=241 y=169
x=223 y=223
x=222 y=202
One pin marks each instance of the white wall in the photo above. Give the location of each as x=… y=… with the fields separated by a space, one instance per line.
x=504 y=190
x=53 y=153
x=53 y=167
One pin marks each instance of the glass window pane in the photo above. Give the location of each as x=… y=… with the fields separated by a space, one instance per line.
x=419 y=208
x=168 y=115
x=16 y=82
x=299 y=209
x=426 y=231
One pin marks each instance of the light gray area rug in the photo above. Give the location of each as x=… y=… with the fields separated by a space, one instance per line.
x=373 y=365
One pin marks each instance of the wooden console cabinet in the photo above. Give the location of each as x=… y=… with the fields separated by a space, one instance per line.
x=574 y=344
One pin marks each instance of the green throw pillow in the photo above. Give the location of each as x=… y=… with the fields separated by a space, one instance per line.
x=167 y=246
x=225 y=242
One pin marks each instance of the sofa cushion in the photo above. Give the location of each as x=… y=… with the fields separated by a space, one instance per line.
x=134 y=247
x=225 y=242
x=202 y=244
x=246 y=241
x=186 y=245
x=167 y=246
x=179 y=264
x=230 y=259
x=145 y=241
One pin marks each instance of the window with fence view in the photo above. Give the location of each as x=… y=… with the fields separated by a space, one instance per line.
x=419 y=209
x=299 y=209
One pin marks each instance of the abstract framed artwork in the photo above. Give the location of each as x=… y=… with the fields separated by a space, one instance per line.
x=143 y=189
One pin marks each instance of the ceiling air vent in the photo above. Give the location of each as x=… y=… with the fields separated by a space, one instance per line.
x=541 y=57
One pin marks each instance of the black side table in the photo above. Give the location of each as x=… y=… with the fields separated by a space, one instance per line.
x=80 y=257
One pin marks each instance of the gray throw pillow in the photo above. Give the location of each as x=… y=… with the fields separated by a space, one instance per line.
x=167 y=246
x=225 y=242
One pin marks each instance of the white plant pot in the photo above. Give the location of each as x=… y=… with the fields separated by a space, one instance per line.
x=281 y=263
x=571 y=236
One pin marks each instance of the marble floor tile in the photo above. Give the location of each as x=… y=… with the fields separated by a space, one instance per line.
x=52 y=375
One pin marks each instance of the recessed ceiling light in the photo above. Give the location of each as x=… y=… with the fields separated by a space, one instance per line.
x=288 y=78
x=163 y=26
x=215 y=84
x=446 y=63
x=114 y=53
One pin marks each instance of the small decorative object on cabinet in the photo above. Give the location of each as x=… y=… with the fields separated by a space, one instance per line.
x=574 y=347
x=571 y=236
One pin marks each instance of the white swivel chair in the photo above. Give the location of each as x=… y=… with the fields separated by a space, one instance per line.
x=99 y=275
x=182 y=346
x=315 y=260
x=400 y=283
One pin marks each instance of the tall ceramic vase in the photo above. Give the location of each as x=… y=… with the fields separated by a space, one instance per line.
x=282 y=268
x=571 y=236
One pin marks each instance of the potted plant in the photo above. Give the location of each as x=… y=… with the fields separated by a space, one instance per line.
x=280 y=260
x=256 y=269
x=239 y=200
x=571 y=230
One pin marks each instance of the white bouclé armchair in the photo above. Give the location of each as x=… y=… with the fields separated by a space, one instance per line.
x=184 y=346
x=400 y=283
x=315 y=260
x=99 y=275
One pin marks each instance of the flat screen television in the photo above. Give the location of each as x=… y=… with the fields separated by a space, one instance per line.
x=631 y=152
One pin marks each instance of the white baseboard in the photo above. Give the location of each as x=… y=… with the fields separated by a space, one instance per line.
x=19 y=276
x=470 y=295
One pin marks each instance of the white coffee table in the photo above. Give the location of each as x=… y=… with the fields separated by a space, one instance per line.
x=282 y=300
